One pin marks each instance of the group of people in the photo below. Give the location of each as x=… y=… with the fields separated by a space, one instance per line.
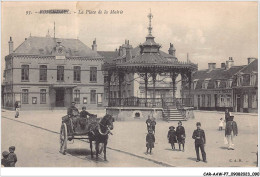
x=177 y=136
x=9 y=158
x=150 y=138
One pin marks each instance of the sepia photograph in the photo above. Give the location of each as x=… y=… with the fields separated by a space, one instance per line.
x=130 y=84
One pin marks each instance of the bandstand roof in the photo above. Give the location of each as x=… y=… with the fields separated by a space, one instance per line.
x=150 y=58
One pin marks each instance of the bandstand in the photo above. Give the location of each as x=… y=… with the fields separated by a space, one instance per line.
x=147 y=65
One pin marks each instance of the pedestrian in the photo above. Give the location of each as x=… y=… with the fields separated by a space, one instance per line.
x=4 y=161
x=172 y=138
x=12 y=156
x=230 y=132
x=221 y=124
x=17 y=109
x=153 y=123
x=200 y=142
x=180 y=132
x=150 y=139
x=148 y=122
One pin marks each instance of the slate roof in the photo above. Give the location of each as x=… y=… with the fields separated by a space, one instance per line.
x=253 y=66
x=45 y=45
x=220 y=74
x=108 y=55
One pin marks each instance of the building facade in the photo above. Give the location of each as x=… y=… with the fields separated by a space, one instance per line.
x=245 y=88
x=220 y=89
x=49 y=73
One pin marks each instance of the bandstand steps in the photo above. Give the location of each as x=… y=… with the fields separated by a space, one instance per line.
x=172 y=115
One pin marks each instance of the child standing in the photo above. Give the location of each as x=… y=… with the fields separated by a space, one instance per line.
x=12 y=156
x=150 y=139
x=172 y=136
x=221 y=124
x=17 y=109
x=4 y=161
x=180 y=132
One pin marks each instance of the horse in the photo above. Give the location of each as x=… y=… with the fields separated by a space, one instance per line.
x=100 y=132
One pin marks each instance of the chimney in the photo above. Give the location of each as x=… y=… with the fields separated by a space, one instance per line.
x=212 y=66
x=94 y=45
x=229 y=63
x=120 y=51
x=223 y=65
x=250 y=60
x=172 y=50
x=128 y=51
x=11 y=46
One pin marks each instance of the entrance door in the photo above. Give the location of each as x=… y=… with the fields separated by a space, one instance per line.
x=216 y=100
x=238 y=103
x=60 y=97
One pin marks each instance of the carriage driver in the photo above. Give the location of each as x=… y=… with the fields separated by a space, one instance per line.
x=72 y=110
x=84 y=113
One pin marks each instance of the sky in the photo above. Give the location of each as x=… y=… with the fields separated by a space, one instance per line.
x=208 y=31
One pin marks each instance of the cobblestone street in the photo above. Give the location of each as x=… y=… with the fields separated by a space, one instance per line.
x=35 y=136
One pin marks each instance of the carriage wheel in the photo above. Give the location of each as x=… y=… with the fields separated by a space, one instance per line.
x=63 y=138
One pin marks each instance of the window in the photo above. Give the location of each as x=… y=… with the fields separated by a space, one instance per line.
x=222 y=101
x=43 y=73
x=203 y=100
x=245 y=101
x=252 y=79
x=194 y=84
x=60 y=73
x=93 y=74
x=129 y=93
x=77 y=96
x=254 y=101
x=25 y=73
x=229 y=83
x=229 y=102
x=43 y=96
x=99 y=99
x=115 y=94
x=77 y=70
x=208 y=100
x=93 y=96
x=239 y=80
x=25 y=95
x=217 y=83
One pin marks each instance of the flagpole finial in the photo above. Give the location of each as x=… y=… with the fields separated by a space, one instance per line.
x=150 y=16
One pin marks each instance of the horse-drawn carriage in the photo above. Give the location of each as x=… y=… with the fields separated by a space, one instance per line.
x=92 y=129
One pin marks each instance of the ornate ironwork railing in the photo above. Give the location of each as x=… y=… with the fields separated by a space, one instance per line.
x=165 y=103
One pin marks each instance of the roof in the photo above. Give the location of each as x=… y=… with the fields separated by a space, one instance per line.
x=216 y=74
x=46 y=46
x=251 y=67
x=108 y=55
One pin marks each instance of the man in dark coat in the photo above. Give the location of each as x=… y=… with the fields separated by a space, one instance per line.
x=230 y=132
x=148 y=123
x=200 y=141
x=84 y=113
x=180 y=132
x=17 y=109
x=72 y=110
x=153 y=123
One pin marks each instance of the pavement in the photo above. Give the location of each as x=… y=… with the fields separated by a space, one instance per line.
x=36 y=137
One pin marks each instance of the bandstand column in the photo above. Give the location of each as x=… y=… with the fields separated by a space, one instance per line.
x=146 y=85
x=108 y=87
x=154 y=80
x=174 y=76
x=120 y=81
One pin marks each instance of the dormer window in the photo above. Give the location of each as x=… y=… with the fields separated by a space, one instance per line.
x=229 y=83
x=239 y=80
x=195 y=81
x=217 y=83
x=205 y=83
x=252 y=79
